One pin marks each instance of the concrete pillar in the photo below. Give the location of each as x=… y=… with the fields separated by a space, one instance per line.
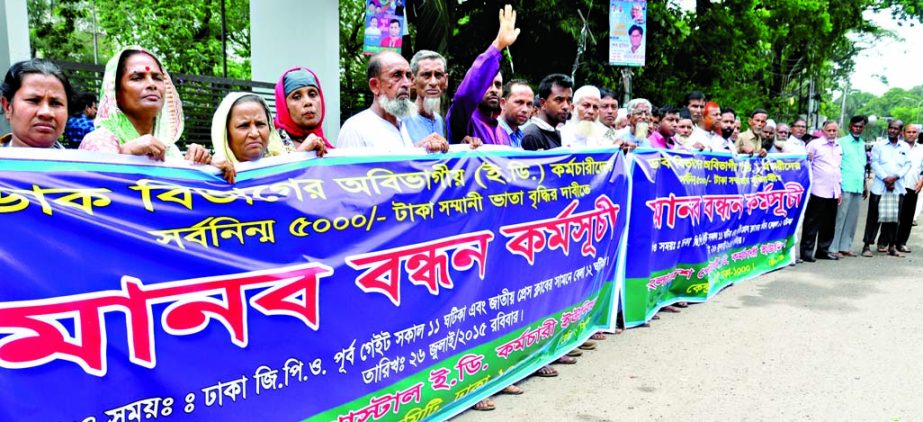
x=14 y=41
x=288 y=33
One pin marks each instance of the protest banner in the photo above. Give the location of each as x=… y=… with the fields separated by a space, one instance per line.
x=702 y=222
x=627 y=32
x=343 y=288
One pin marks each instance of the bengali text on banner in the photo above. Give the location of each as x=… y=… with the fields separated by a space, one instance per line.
x=702 y=222
x=344 y=288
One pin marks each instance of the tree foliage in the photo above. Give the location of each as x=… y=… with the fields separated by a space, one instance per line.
x=186 y=35
x=742 y=53
x=897 y=103
x=353 y=84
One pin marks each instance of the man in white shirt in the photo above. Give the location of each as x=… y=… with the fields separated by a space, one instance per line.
x=695 y=102
x=890 y=165
x=638 y=129
x=726 y=143
x=796 y=133
x=379 y=126
x=584 y=130
x=912 y=184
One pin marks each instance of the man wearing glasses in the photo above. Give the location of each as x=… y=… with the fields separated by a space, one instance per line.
x=799 y=131
x=638 y=129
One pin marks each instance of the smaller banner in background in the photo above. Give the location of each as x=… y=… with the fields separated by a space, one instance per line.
x=702 y=222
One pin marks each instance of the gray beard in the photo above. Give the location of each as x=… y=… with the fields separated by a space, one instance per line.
x=397 y=107
x=431 y=105
x=641 y=130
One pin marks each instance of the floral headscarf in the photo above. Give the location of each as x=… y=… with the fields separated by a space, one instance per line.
x=169 y=125
x=283 y=117
x=220 y=141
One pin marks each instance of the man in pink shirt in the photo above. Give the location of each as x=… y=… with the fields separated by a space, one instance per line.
x=825 y=155
x=663 y=136
x=393 y=40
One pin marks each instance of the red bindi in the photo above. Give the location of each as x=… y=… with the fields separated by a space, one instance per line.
x=147 y=68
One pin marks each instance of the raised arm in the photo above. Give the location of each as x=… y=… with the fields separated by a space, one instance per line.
x=479 y=77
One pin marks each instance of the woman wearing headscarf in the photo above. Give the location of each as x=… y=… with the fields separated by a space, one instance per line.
x=243 y=130
x=139 y=111
x=35 y=96
x=300 y=111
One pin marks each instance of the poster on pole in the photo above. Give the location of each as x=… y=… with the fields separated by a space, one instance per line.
x=384 y=26
x=627 y=32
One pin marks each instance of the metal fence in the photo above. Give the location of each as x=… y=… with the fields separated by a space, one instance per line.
x=200 y=95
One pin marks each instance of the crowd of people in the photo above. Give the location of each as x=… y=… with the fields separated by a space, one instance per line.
x=140 y=113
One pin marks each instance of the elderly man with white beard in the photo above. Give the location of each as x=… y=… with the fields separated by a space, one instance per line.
x=430 y=81
x=584 y=130
x=379 y=126
x=637 y=131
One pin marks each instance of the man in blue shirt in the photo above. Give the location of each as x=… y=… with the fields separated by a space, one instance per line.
x=430 y=81
x=516 y=109
x=81 y=123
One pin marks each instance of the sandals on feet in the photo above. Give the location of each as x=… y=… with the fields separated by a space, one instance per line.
x=866 y=252
x=513 y=390
x=847 y=253
x=894 y=253
x=681 y=304
x=566 y=360
x=598 y=336
x=574 y=353
x=589 y=345
x=546 y=372
x=670 y=309
x=484 y=405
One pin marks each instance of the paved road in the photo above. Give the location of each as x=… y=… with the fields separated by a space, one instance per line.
x=821 y=341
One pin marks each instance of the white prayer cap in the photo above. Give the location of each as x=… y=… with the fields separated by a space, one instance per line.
x=586 y=91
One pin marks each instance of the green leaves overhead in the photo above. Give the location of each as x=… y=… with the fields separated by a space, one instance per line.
x=187 y=35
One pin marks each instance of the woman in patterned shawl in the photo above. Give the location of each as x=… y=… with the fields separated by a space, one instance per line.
x=140 y=112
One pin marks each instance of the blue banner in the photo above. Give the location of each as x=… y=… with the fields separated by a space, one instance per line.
x=343 y=288
x=702 y=222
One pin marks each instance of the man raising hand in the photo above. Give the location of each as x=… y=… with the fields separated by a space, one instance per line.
x=476 y=105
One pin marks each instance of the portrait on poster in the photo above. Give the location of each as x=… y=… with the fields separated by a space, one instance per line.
x=384 y=26
x=627 y=32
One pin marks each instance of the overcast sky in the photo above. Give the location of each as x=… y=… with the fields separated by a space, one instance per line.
x=898 y=60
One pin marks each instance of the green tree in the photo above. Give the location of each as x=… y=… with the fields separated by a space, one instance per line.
x=187 y=36
x=62 y=30
x=354 y=95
